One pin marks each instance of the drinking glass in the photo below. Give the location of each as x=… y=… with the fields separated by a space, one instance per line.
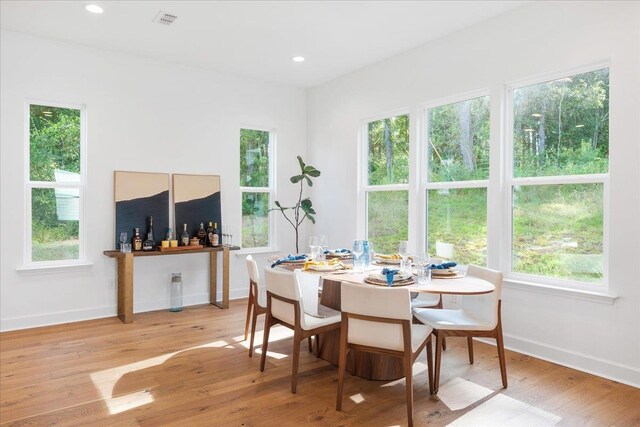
x=403 y=249
x=323 y=246
x=358 y=249
x=424 y=274
x=123 y=240
x=313 y=246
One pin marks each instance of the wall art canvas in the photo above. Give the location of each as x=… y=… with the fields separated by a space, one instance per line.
x=139 y=195
x=196 y=199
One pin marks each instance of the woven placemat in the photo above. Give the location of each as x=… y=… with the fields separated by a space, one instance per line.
x=405 y=282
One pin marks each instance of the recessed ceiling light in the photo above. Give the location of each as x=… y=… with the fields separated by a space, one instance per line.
x=94 y=8
x=297 y=58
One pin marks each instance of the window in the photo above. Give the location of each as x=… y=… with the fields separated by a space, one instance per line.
x=559 y=177
x=457 y=165
x=55 y=185
x=386 y=190
x=256 y=186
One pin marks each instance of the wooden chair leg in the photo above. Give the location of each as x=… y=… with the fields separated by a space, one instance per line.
x=246 y=323
x=470 y=347
x=408 y=373
x=444 y=344
x=501 y=357
x=296 y=361
x=254 y=320
x=430 y=365
x=436 y=376
x=310 y=344
x=265 y=341
x=316 y=341
x=342 y=365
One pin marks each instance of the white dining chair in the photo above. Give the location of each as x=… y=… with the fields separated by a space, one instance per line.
x=285 y=307
x=378 y=320
x=257 y=303
x=479 y=316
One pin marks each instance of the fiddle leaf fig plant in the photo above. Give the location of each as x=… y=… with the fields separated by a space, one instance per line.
x=303 y=208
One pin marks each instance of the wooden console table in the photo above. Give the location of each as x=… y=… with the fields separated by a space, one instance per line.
x=125 y=276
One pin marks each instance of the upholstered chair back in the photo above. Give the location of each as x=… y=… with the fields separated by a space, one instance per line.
x=285 y=285
x=252 y=269
x=382 y=303
x=484 y=308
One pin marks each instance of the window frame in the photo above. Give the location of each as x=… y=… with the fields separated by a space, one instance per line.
x=425 y=184
x=29 y=185
x=510 y=181
x=364 y=188
x=271 y=189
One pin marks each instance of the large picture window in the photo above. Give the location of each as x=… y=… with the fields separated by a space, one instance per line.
x=455 y=185
x=256 y=186
x=387 y=182
x=559 y=177
x=55 y=185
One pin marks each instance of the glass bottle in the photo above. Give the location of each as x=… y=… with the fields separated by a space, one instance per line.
x=202 y=234
x=216 y=235
x=175 y=292
x=210 y=234
x=136 y=242
x=149 y=244
x=184 y=237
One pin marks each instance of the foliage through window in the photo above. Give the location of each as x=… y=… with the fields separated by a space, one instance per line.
x=256 y=187
x=560 y=165
x=55 y=184
x=387 y=180
x=457 y=179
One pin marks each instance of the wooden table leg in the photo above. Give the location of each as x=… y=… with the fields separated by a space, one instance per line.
x=213 y=279
x=125 y=288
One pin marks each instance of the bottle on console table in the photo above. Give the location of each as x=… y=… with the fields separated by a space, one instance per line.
x=149 y=243
x=210 y=234
x=202 y=235
x=136 y=242
x=215 y=242
x=184 y=237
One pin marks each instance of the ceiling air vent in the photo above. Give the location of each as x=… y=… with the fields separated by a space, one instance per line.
x=164 y=18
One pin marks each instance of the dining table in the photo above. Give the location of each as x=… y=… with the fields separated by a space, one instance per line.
x=320 y=289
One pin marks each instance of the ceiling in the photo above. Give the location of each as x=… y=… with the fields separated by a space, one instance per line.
x=255 y=39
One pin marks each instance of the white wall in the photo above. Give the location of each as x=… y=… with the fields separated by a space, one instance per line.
x=539 y=38
x=143 y=115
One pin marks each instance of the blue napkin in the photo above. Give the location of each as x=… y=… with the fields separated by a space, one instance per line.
x=390 y=274
x=289 y=258
x=442 y=266
x=338 y=251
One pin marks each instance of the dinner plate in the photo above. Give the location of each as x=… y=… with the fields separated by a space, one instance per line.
x=396 y=278
x=324 y=267
x=388 y=261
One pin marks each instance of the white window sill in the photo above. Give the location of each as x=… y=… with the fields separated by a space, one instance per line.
x=251 y=251
x=586 y=295
x=56 y=268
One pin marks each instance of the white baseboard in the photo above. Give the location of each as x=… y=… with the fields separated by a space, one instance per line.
x=57 y=318
x=592 y=365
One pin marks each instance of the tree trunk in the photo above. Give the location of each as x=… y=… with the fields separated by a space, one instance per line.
x=464 y=117
x=541 y=141
x=387 y=144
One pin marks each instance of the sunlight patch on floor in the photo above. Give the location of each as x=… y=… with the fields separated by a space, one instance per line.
x=458 y=393
x=505 y=411
x=276 y=333
x=418 y=368
x=357 y=398
x=106 y=380
x=124 y=403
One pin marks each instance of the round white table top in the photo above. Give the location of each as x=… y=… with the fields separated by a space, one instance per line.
x=466 y=285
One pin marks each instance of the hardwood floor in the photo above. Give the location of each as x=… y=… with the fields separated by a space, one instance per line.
x=192 y=368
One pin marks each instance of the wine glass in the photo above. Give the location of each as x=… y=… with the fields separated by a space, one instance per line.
x=403 y=250
x=358 y=250
x=123 y=240
x=313 y=246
